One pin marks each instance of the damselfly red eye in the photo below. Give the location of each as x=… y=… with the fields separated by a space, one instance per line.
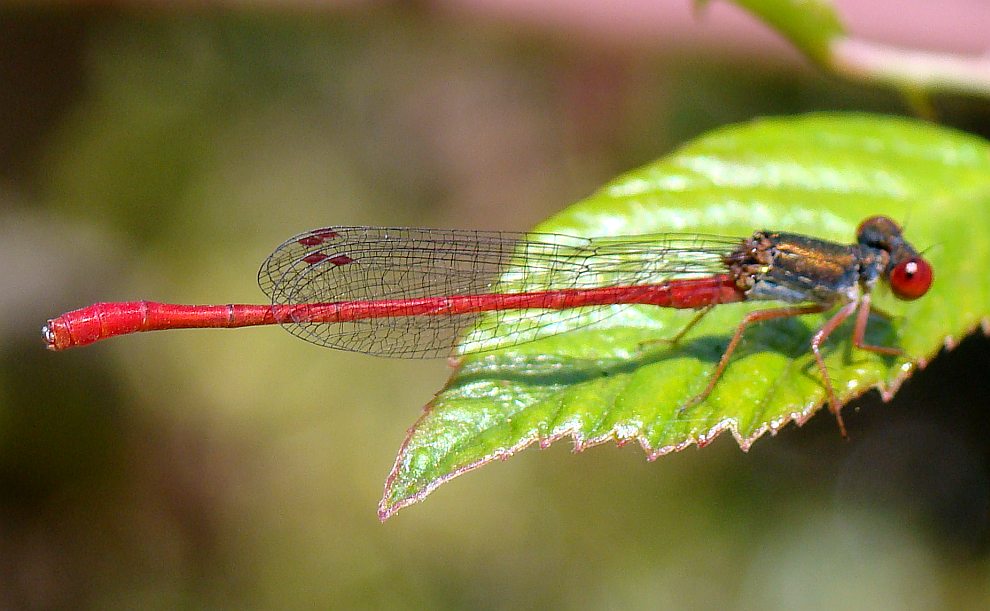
x=910 y=279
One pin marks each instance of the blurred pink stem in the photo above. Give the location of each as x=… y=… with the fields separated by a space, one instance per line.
x=911 y=69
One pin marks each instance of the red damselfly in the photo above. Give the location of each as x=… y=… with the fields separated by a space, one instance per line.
x=411 y=293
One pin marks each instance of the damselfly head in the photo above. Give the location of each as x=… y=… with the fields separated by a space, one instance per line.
x=908 y=273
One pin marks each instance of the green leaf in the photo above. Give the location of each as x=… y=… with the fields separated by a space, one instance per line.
x=810 y=25
x=819 y=175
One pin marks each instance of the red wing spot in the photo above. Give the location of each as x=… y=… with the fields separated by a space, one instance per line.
x=341 y=260
x=318 y=236
x=315 y=258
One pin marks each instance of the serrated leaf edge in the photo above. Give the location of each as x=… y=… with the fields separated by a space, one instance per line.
x=887 y=391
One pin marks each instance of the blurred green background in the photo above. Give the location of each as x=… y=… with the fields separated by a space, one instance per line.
x=163 y=156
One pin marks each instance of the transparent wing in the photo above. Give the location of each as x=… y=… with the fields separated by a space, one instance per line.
x=338 y=264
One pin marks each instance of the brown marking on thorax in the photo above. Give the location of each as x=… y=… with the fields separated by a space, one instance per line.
x=796 y=261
